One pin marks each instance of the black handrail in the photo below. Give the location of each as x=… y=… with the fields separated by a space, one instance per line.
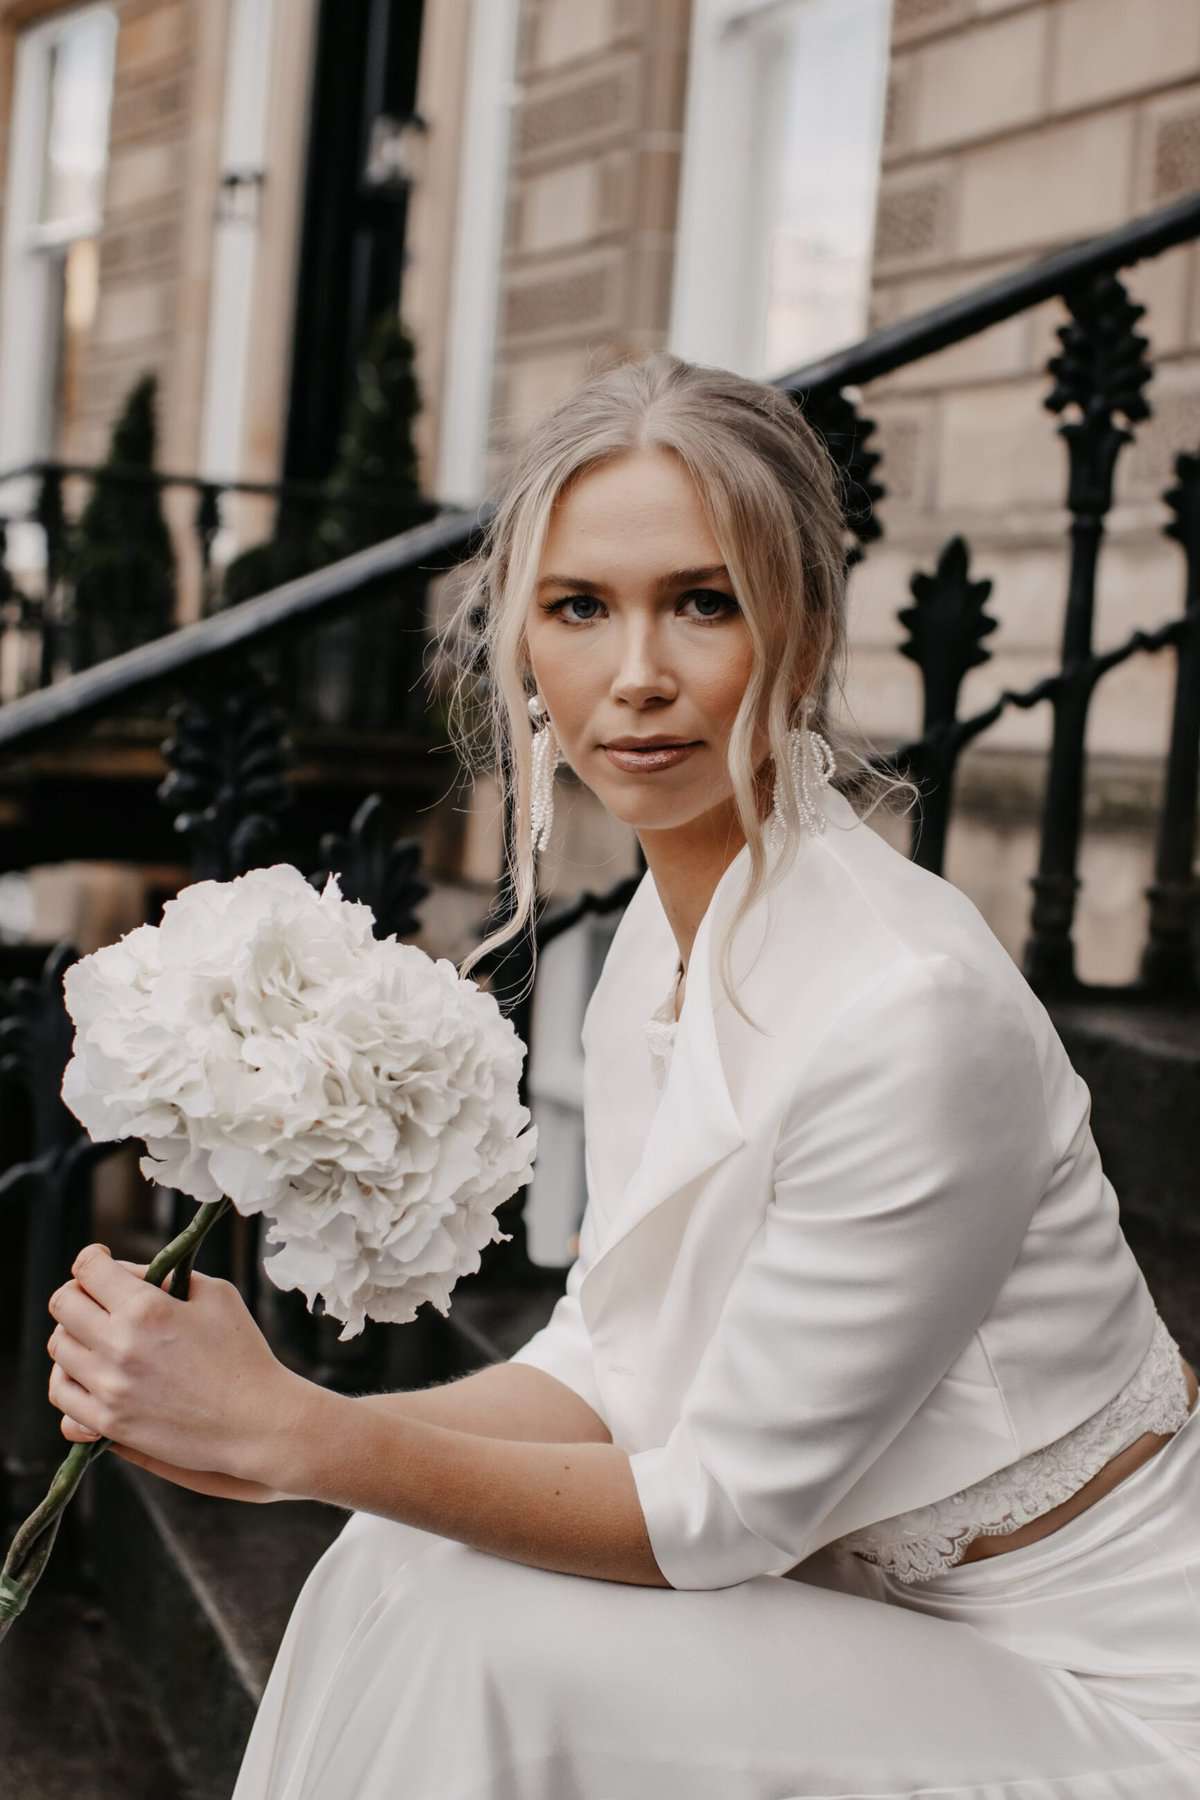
x=923 y=333
x=140 y=477
x=310 y=600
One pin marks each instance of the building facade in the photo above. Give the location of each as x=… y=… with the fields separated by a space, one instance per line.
x=220 y=190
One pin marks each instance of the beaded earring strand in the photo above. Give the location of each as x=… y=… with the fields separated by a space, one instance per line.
x=545 y=755
x=811 y=766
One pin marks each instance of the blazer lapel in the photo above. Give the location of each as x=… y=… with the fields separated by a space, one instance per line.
x=695 y=1123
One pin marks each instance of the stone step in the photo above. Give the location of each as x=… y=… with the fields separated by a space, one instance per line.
x=76 y=1720
x=202 y=1588
x=1142 y=1067
x=208 y=1585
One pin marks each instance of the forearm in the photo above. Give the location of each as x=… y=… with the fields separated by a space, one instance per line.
x=504 y=1400
x=569 y=1507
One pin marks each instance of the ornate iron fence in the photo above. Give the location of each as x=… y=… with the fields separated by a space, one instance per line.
x=347 y=675
x=227 y=758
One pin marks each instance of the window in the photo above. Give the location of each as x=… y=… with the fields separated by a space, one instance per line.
x=49 y=279
x=781 y=168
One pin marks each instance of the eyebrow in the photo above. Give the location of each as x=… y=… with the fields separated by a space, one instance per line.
x=676 y=578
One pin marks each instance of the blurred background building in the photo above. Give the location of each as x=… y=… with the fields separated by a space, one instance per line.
x=283 y=279
x=228 y=197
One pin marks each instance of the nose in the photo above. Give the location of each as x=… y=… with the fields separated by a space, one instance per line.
x=642 y=673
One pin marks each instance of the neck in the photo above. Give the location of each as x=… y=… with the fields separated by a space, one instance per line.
x=686 y=865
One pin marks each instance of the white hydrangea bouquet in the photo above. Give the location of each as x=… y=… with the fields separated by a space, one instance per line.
x=274 y=1056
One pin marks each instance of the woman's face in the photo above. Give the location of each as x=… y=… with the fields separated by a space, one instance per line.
x=634 y=634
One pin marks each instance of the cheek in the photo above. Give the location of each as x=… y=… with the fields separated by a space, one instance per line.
x=718 y=684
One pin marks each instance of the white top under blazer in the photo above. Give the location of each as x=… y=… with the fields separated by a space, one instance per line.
x=847 y=1268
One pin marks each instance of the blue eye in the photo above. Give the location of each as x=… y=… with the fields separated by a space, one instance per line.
x=727 y=607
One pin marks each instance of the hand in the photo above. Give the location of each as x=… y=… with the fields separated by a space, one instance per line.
x=208 y=1481
x=191 y=1388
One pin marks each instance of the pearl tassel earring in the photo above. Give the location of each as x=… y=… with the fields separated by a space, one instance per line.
x=811 y=766
x=545 y=760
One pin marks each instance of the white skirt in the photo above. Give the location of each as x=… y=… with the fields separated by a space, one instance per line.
x=414 y=1668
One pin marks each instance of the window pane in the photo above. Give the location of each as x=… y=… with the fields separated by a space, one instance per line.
x=821 y=67
x=80 y=90
x=77 y=270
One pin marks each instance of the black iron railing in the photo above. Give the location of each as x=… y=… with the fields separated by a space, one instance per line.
x=60 y=616
x=228 y=754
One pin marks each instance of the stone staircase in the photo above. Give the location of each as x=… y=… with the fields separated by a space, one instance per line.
x=143 y=1656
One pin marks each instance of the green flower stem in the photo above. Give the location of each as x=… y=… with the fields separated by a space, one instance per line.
x=31 y=1546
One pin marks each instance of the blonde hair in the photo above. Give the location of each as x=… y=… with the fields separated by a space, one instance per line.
x=773 y=497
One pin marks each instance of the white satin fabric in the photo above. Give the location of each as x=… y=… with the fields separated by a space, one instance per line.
x=414 y=1668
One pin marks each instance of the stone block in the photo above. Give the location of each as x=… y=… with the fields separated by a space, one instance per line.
x=877 y=589
x=150 y=108
x=656 y=190
x=564 y=31
x=132 y=314
x=559 y=207
x=997 y=450
x=152 y=36
x=915 y=215
x=979 y=81
x=141 y=173
x=1057 y=184
x=593 y=106
x=906 y=436
x=651 y=274
x=914 y=19
x=883 y=696
x=1148 y=465
x=585 y=296
x=1169 y=149
x=1107 y=48
x=534 y=383
x=664 y=90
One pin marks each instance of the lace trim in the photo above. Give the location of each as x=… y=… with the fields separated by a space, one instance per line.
x=660 y=1030
x=927 y=1540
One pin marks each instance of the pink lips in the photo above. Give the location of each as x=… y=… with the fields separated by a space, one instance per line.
x=642 y=762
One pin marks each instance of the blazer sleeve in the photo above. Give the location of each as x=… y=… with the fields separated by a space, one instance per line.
x=563 y=1346
x=906 y=1172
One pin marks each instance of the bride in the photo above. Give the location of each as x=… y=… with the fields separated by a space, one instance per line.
x=855 y=1459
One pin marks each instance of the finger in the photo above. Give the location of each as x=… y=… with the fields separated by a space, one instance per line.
x=74 y=1358
x=86 y=1320
x=78 y=1434
x=73 y=1400
x=103 y=1278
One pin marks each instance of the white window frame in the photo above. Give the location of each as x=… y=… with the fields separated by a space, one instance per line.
x=488 y=109
x=716 y=309
x=236 y=232
x=235 y=250
x=25 y=290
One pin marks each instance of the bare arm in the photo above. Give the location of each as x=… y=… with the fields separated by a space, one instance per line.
x=505 y=1400
x=570 y=1505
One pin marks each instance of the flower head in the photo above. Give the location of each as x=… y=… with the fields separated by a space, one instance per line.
x=357 y=1092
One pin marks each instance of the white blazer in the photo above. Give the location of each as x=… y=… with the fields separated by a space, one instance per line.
x=852 y=1263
